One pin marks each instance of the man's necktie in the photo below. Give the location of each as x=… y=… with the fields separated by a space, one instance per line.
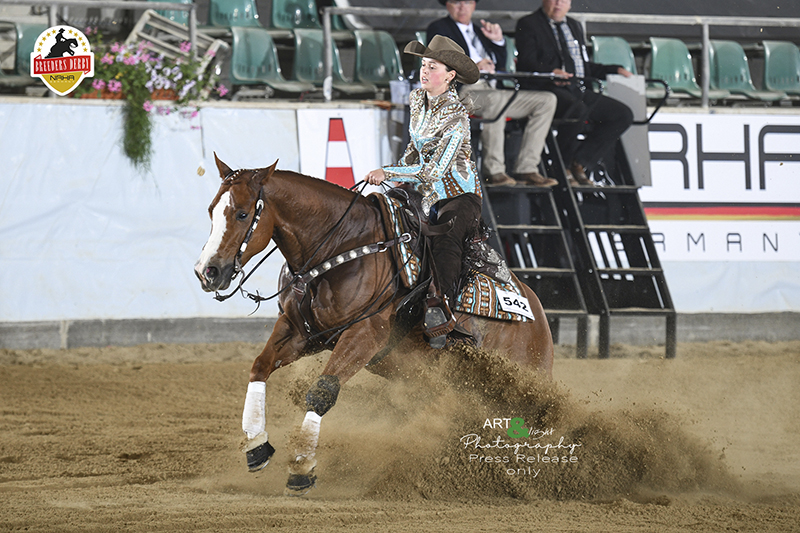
x=569 y=63
x=476 y=43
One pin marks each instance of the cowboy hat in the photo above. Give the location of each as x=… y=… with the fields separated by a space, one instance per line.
x=448 y=52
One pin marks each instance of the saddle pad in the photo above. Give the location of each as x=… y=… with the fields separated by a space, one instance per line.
x=479 y=296
x=407 y=260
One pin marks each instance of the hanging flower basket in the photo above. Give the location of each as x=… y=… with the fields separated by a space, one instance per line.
x=134 y=73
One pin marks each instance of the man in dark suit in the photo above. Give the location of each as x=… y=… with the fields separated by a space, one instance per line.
x=549 y=41
x=486 y=46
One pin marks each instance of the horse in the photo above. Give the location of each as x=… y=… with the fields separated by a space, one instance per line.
x=311 y=220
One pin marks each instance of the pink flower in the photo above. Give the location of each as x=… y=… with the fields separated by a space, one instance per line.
x=114 y=86
x=195 y=113
x=186 y=47
x=130 y=60
x=98 y=85
x=148 y=106
x=116 y=47
x=108 y=59
x=222 y=90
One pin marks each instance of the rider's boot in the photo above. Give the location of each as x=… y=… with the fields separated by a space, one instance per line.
x=438 y=322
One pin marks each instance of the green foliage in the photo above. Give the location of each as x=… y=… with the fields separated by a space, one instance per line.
x=135 y=73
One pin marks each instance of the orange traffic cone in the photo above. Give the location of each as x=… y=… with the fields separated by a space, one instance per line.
x=338 y=163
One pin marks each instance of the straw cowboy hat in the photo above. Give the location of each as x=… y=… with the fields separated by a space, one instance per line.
x=448 y=52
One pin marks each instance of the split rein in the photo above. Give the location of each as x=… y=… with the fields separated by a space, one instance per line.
x=306 y=275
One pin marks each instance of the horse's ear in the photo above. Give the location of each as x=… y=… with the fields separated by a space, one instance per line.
x=224 y=170
x=269 y=171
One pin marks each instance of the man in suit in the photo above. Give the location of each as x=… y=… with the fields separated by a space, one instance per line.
x=549 y=41
x=486 y=46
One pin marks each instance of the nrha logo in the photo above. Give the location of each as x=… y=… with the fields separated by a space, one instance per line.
x=61 y=58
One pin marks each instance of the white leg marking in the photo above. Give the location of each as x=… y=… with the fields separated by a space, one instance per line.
x=304 y=459
x=218 y=226
x=254 y=419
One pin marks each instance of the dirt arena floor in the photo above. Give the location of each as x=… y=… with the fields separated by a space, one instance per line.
x=147 y=439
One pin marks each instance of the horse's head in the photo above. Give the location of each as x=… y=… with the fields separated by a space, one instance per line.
x=239 y=227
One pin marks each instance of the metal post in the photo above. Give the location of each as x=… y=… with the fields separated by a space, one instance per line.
x=52 y=15
x=706 y=65
x=327 y=83
x=193 y=29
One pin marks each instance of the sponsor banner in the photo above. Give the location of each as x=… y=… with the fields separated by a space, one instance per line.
x=724 y=187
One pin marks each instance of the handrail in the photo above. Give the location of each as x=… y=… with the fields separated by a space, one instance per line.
x=52 y=10
x=679 y=20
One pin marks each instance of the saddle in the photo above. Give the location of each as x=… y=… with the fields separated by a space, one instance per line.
x=402 y=212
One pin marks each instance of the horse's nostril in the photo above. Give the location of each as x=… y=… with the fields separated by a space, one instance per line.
x=211 y=273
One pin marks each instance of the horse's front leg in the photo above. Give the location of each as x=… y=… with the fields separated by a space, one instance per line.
x=353 y=351
x=283 y=347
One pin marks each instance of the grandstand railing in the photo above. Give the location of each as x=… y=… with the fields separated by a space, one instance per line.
x=53 y=5
x=705 y=22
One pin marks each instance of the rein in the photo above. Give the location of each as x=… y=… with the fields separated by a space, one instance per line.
x=301 y=279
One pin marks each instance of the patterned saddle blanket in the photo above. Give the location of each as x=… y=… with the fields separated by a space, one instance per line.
x=488 y=289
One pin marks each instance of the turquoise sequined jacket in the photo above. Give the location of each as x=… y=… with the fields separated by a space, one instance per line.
x=438 y=159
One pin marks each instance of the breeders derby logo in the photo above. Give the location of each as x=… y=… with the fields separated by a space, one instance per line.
x=61 y=58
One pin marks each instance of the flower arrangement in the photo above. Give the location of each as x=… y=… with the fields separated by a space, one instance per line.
x=135 y=73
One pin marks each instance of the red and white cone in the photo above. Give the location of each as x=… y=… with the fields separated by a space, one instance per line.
x=338 y=164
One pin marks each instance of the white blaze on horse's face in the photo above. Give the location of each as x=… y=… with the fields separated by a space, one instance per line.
x=219 y=225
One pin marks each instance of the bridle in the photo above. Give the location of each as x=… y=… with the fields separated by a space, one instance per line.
x=306 y=273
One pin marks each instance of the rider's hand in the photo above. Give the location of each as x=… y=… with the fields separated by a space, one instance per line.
x=375 y=177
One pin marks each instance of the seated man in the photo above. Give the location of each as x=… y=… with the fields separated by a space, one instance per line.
x=486 y=46
x=549 y=41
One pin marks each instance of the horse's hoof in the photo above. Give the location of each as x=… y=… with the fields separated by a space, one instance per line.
x=300 y=484
x=259 y=457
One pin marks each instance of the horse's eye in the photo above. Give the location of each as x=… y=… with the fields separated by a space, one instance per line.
x=241 y=215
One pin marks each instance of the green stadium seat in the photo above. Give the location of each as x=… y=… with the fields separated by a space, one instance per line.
x=24 y=35
x=377 y=58
x=782 y=67
x=730 y=70
x=181 y=17
x=613 y=51
x=672 y=63
x=291 y=14
x=230 y=13
x=309 y=63
x=254 y=61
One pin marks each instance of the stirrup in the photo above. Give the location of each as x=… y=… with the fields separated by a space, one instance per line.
x=438 y=322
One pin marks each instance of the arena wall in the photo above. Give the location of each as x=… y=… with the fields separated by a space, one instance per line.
x=93 y=250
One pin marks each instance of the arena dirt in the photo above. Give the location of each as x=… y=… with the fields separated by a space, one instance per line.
x=147 y=439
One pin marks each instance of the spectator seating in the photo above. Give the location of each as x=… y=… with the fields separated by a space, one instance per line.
x=254 y=61
x=25 y=35
x=181 y=17
x=377 y=58
x=730 y=70
x=291 y=14
x=672 y=63
x=229 y=13
x=782 y=67
x=613 y=51
x=309 y=63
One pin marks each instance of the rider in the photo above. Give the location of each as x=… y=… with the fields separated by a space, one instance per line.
x=438 y=163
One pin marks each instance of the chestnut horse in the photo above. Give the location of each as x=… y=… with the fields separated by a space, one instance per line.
x=310 y=221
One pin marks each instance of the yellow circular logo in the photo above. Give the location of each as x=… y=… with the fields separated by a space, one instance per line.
x=61 y=58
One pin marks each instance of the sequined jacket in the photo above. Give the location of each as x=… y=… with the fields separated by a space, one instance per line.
x=438 y=157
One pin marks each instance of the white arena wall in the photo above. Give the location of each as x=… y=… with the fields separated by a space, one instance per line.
x=87 y=239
